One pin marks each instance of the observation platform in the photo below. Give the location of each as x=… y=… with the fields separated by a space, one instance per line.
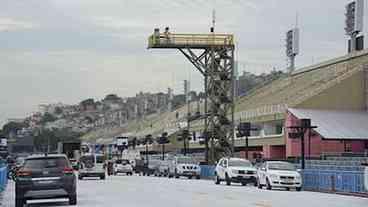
x=192 y=41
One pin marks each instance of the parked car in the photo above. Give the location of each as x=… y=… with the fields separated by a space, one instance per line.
x=45 y=177
x=163 y=168
x=235 y=170
x=184 y=166
x=92 y=165
x=153 y=167
x=279 y=174
x=123 y=166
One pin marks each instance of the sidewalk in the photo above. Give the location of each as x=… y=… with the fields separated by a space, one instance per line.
x=7 y=196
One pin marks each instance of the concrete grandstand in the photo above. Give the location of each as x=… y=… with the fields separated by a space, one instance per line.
x=332 y=94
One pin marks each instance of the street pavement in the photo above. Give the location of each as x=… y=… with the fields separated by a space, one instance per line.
x=137 y=191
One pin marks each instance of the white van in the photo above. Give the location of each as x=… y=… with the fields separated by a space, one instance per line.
x=92 y=165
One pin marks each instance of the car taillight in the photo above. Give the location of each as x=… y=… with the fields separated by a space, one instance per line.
x=22 y=173
x=68 y=170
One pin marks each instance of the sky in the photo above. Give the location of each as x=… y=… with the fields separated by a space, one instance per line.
x=69 y=50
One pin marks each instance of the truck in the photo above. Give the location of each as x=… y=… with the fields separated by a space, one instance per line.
x=72 y=149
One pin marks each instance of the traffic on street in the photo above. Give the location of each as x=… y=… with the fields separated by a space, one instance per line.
x=183 y=103
x=142 y=191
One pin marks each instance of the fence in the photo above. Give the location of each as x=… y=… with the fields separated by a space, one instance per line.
x=207 y=171
x=3 y=177
x=334 y=181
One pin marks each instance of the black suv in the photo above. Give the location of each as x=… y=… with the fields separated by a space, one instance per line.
x=45 y=177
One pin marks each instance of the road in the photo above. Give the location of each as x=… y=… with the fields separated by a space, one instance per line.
x=136 y=191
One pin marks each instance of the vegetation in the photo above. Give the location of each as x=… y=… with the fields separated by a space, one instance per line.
x=47 y=137
x=47 y=117
x=12 y=127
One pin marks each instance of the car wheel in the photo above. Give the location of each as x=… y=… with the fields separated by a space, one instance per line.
x=255 y=184
x=259 y=185
x=102 y=177
x=227 y=179
x=176 y=174
x=298 y=188
x=80 y=177
x=217 y=180
x=19 y=202
x=198 y=177
x=73 y=200
x=189 y=177
x=244 y=183
x=287 y=189
x=268 y=184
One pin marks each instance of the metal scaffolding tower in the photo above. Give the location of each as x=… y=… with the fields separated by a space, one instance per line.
x=213 y=56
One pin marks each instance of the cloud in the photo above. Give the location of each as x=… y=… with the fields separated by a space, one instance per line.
x=73 y=49
x=9 y=24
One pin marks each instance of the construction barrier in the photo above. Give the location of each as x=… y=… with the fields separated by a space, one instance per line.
x=3 y=177
x=207 y=171
x=334 y=181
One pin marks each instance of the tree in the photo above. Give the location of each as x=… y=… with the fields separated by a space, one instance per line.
x=47 y=117
x=13 y=127
x=58 y=110
x=112 y=97
x=87 y=102
x=51 y=137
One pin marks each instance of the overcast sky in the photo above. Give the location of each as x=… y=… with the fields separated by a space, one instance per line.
x=68 y=50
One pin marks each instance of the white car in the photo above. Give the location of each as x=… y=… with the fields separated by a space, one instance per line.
x=92 y=165
x=235 y=170
x=184 y=166
x=279 y=174
x=123 y=166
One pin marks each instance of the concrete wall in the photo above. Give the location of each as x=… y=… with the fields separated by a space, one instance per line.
x=274 y=152
x=349 y=94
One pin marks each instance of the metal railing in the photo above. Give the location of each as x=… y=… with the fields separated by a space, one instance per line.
x=334 y=181
x=205 y=40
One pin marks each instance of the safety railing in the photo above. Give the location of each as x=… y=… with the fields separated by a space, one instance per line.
x=191 y=40
x=3 y=177
x=334 y=181
x=207 y=171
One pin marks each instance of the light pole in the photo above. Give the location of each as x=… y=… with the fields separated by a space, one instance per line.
x=305 y=125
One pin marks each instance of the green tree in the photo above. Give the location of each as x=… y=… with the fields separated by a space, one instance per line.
x=47 y=117
x=13 y=127
x=58 y=110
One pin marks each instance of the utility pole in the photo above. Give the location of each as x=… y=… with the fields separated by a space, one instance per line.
x=187 y=99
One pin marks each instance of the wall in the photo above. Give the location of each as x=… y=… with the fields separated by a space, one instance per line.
x=274 y=152
x=318 y=146
x=346 y=95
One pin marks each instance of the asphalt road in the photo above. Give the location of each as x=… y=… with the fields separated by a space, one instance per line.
x=137 y=191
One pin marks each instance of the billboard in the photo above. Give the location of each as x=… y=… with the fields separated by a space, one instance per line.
x=354 y=17
x=292 y=42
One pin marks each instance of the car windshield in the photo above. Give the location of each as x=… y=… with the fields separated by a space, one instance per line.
x=42 y=163
x=239 y=163
x=100 y=159
x=186 y=160
x=281 y=166
x=124 y=162
x=87 y=159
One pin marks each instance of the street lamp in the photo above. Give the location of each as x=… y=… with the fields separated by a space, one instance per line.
x=162 y=141
x=244 y=129
x=305 y=125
